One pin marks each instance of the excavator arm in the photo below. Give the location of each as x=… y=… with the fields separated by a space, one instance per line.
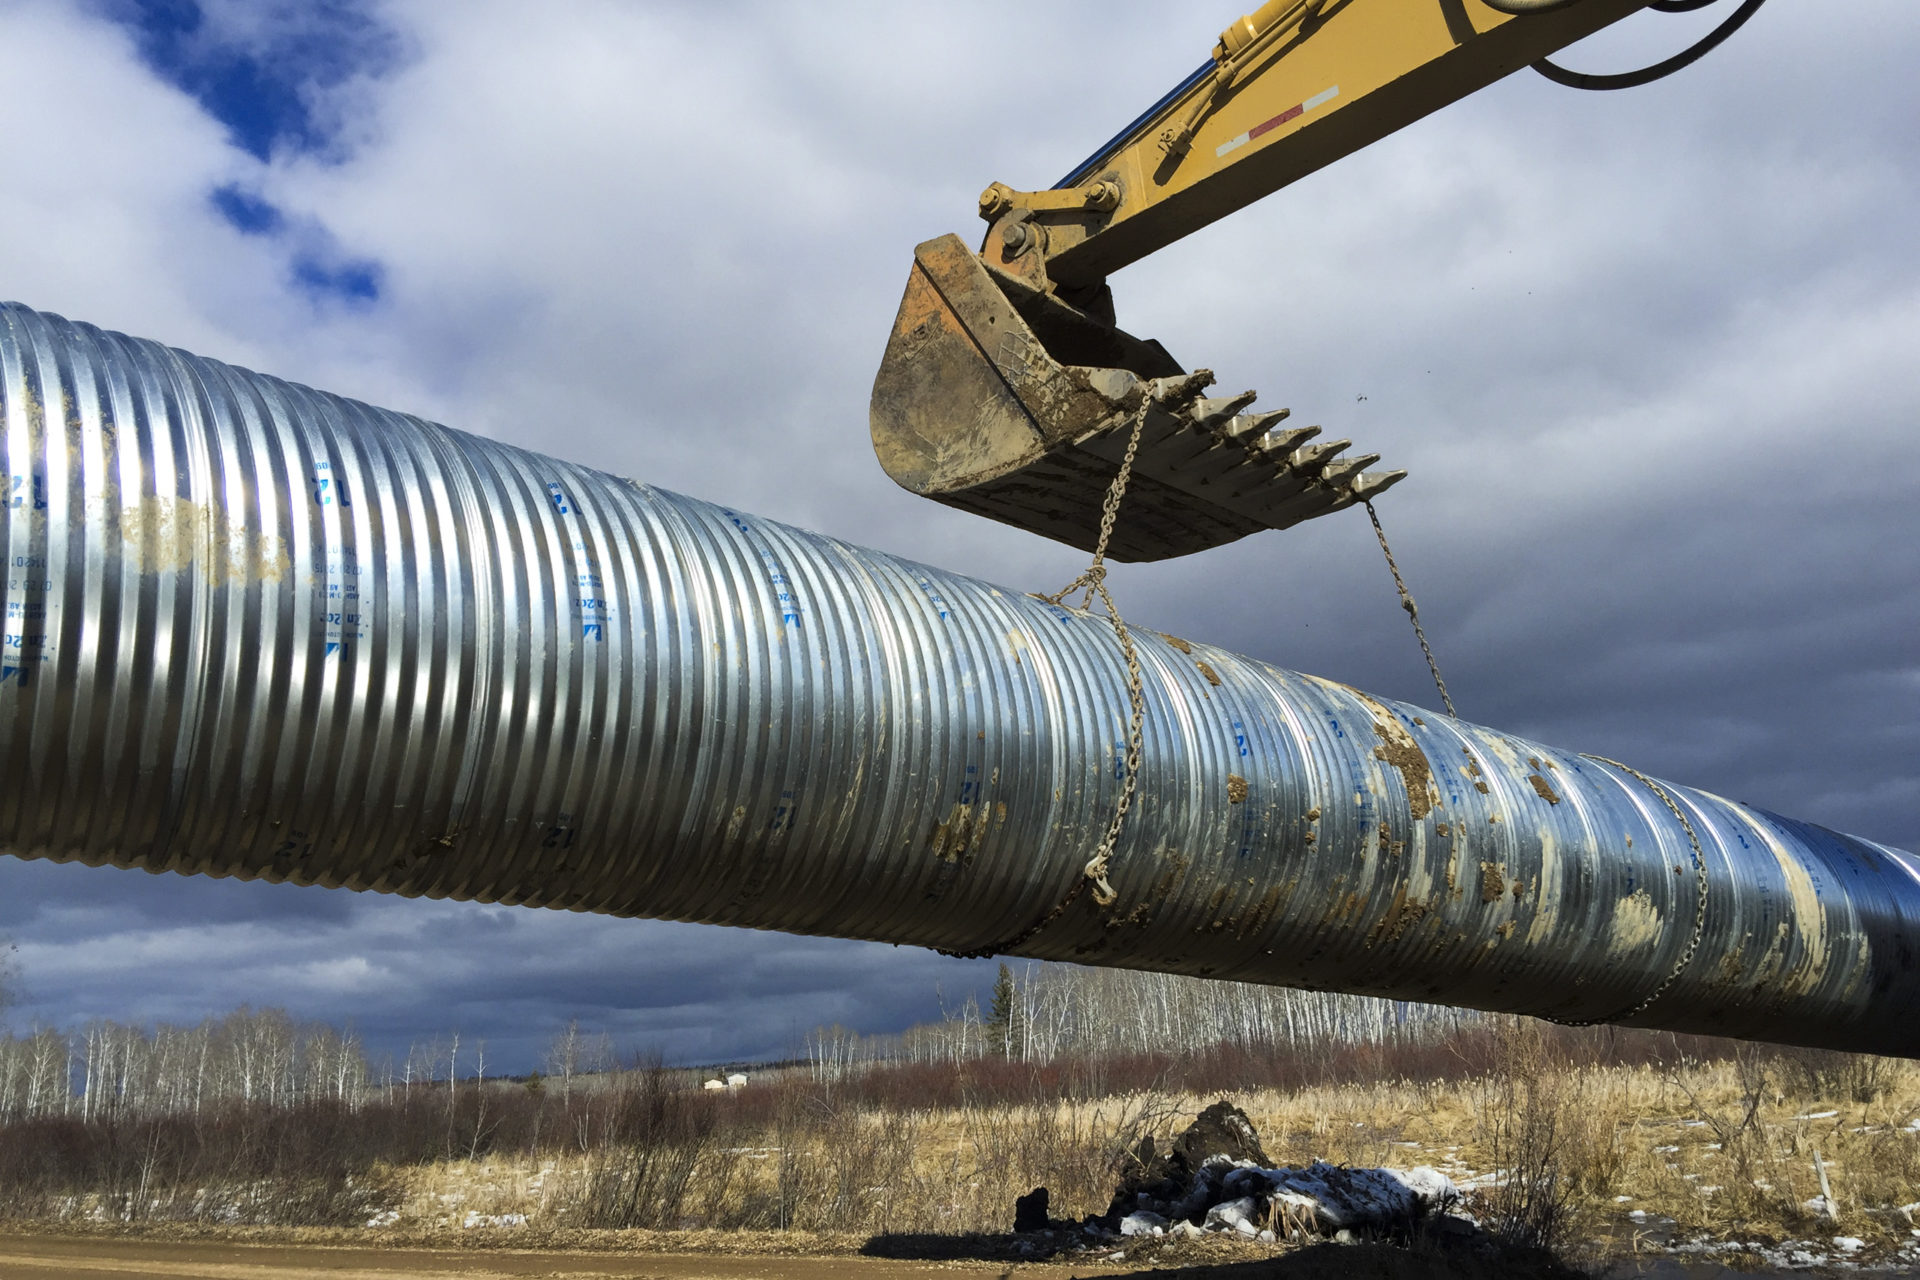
x=1008 y=390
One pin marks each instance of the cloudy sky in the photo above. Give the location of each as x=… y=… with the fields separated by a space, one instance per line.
x=1642 y=352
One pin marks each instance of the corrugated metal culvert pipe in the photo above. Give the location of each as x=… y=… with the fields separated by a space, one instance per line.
x=256 y=630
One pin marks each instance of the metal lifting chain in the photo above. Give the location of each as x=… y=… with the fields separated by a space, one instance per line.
x=1699 y=855
x=1413 y=610
x=1094 y=581
x=1699 y=905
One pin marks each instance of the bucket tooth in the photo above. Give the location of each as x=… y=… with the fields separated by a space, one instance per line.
x=1277 y=446
x=1374 y=483
x=1214 y=414
x=1249 y=427
x=1346 y=468
x=1176 y=393
x=1315 y=456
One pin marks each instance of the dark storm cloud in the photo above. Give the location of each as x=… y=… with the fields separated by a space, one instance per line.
x=99 y=943
x=1647 y=355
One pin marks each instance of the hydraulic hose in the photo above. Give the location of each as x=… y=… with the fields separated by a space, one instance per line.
x=1659 y=70
x=253 y=629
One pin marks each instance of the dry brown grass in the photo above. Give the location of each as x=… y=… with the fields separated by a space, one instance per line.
x=819 y=1169
x=1554 y=1141
x=1729 y=1148
x=1724 y=1148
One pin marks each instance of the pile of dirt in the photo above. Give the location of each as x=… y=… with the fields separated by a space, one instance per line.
x=1217 y=1178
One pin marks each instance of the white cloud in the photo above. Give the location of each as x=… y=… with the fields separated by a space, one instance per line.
x=104 y=213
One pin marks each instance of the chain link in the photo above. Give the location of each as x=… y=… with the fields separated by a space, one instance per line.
x=1413 y=610
x=1699 y=905
x=1094 y=581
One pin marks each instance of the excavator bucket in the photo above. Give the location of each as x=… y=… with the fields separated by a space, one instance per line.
x=1001 y=399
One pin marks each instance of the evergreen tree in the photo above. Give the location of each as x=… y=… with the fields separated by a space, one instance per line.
x=1003 y=1012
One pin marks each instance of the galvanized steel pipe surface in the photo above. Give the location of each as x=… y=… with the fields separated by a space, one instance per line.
x=257 y=630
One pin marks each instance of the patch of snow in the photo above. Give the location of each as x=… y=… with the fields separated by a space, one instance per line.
x=1142 y=1223
x=1348 y=1197
x=1818 y=1115
x=1433 y=1189
x=1822 y=1206
x=1849 y=1244
x=1233 y=1215
x=1699 y=1245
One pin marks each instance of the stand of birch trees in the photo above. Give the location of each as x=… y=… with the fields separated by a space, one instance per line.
x=1047 y=1012
x=109 y=1070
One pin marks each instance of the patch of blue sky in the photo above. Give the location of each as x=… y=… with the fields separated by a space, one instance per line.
x=261 y=67
x=350 y=280
x=318 y=268
x=247 y=212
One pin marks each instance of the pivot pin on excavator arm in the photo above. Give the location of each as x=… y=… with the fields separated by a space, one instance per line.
x=1007 y=389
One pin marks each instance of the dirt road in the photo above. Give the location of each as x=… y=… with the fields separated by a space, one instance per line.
x=88 y=1258
x=31 y=1257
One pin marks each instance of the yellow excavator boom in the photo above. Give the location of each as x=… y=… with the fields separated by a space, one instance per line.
x=1008 y=390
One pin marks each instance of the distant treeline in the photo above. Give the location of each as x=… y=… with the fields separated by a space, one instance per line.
x=256 y=1117
x=251 y=1057
x=1036 y=1014
x=109 y=1070
x=1043 y=1013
